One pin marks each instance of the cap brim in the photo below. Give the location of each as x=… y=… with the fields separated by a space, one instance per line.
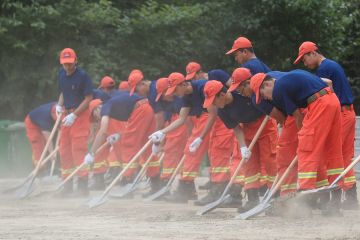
x=298 y=58
x=190 y=76
x=132 y=90
x=158 y=96
x=170 y=90
x=67 y=60
x=231 y=51
x=233 y=87
x=208 y=101
x=257 y=94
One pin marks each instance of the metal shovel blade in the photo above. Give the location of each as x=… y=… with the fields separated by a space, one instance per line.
x=254 y=211
x=96 y=201
x=212 y=206
x=25 y=191
x=119 y=193
x=157 y=194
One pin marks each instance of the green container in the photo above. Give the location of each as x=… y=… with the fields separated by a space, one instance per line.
x=15 y=151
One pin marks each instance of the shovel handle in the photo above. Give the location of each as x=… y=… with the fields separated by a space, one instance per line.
x=352 y=164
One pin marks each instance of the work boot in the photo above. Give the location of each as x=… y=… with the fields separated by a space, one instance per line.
x=216 y=189
x=185 y=191
x=155 y=185
x=67 y=190
x=112 y=173
x=253 y=200
x=99 y=182
x=324 y=200
x=235 y=199
x=82 y=187
x=333 y=208
x=206 y=186
x=351 y=201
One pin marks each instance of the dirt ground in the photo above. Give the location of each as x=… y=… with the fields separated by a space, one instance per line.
x=50 y=218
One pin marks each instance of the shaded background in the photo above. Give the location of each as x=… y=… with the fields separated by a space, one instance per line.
x=113 y=37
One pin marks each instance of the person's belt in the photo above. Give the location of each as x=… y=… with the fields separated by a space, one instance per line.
x=317 y=95
x=347 y=107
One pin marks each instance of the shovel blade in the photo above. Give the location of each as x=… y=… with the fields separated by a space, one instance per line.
x=122 y=192
x=25 y=191
x=254 y=211
x=211 y=206
x=157 y=194
x=96 y=201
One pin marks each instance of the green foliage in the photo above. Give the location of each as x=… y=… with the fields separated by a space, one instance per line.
x=159 y=36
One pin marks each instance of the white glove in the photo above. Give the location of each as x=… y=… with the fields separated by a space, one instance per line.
x=245 y=153
x=156 y=148
x=69 y=120
x=195 y=145
x=113 y=138
x=89 y=159
x=157 y=137
x=58 y=110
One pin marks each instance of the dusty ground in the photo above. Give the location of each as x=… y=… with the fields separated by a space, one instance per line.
x=49 y=218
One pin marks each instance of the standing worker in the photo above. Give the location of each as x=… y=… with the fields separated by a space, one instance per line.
x=75 y=95
x=310 y=55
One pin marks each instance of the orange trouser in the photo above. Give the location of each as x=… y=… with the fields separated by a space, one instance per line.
x=221 y=146
x=348 y=121
x=260 y=169
x=286 y=152
x=139 y=126
x=174 y=148
x=36 y=139
x=73 y=145
x=193 y=160
x=319 y=149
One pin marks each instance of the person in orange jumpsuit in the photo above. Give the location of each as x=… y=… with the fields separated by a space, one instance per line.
x=197 y=144
x=124 y=85
x=326 y=68
x=38 y=125
x=76 y=93
x=319 y=150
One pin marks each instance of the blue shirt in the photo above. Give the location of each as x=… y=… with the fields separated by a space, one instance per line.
x=121 y=106
x=74 y=87
x=100 y=94
x=152 y=97
x=266 y=106
x=240 y=110
x=195 y=100
x=333 y=71
x=41 y=116
x=256 y=66
x=293 y=89
x=219 y=75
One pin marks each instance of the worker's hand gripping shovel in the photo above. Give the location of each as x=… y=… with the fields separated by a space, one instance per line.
x=224 y=196
x=99 y=200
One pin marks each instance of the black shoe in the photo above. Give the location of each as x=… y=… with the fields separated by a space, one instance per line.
x=206 y=186
x=112 y=173
x=99 y=182
x=155 y=185
x=82 y=187
x=333 y=208
x=67 y=191
x=324 y=200
x=351 y=201
x=216 y=189
x=253 y=200
x=185 y=191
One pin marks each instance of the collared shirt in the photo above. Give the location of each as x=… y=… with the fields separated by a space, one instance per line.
x=196 y=99
x=255 y=66
x=41 y=116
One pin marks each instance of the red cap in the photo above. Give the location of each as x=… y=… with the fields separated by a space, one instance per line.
x=107 y=82
x=212 y=87
x=161 y=85
x=67 y=55
x=174 y=79
x=124 y=85
x=134 y=78
x=191 y=69
x=305 y=48
x=93 y=104
x=255 y=84
x=238 y=76
x=241 y=42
